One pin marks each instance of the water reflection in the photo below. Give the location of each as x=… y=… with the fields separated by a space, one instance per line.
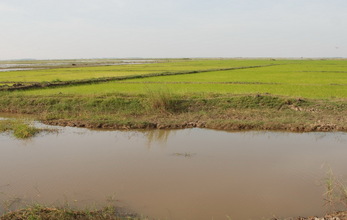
x=340 y=137
x=158 y=136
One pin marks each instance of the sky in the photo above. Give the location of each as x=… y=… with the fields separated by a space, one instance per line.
x=69 y=29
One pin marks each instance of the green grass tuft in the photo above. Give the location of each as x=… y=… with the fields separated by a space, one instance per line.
x=161 y=100
x=21 y=129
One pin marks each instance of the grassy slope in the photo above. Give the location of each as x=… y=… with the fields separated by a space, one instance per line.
x=165 y=110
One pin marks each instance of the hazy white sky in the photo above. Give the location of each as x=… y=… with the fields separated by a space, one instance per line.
x=51 y=29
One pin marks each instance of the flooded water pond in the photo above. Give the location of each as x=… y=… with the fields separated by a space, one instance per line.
x=39 y=65
x=178 y=174
x=18 y=69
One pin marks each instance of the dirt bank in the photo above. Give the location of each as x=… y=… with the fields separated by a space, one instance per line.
x=234 y=113
x=199 y=124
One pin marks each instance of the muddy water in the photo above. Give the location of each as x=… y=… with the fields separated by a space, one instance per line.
x=180 y=174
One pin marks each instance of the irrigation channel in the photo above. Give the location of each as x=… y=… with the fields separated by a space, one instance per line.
x=173 y=174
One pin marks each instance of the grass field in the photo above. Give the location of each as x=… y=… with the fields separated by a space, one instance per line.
x=79 y=73
x=299 y=91
x=319 y=79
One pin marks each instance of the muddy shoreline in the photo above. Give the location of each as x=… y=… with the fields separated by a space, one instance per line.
x=198 y=124
x=117 y=213
x=333 y=216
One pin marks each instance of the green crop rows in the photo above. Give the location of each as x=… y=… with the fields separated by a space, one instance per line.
x=293 y=78
x=64 y=74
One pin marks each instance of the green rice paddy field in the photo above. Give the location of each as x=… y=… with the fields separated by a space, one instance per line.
x=79 y=73
x=317 y=79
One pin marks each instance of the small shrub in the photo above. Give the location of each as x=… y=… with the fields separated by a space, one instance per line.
x=162 y=101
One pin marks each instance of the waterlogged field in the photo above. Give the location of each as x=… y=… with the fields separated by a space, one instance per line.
x=293 y=78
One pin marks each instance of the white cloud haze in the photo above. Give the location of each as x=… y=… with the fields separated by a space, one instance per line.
x=47 y=29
